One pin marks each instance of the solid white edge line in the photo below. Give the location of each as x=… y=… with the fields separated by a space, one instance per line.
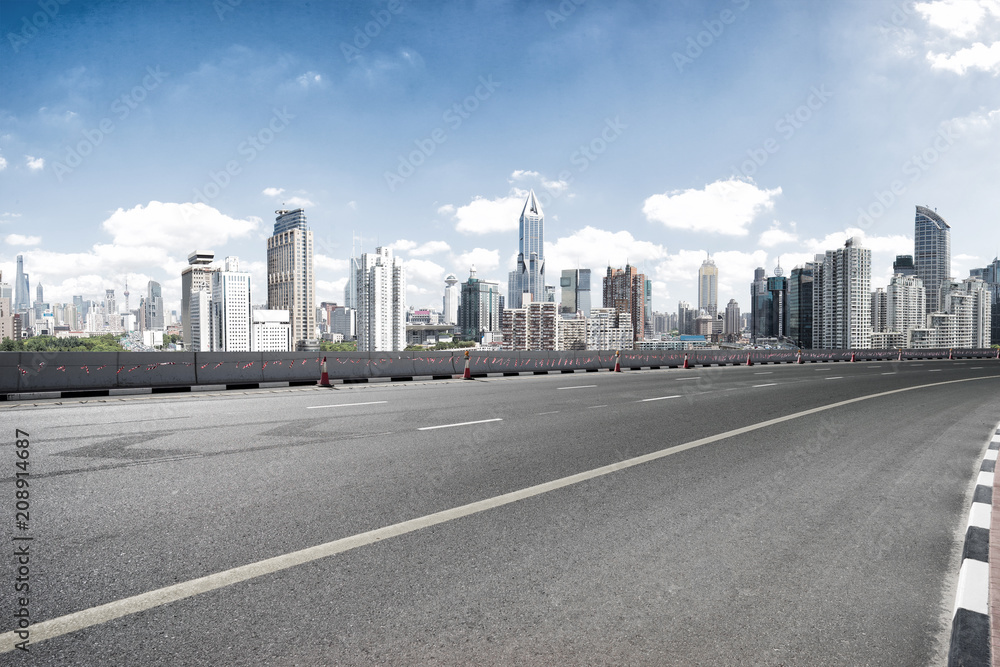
x=481 y=421
x=582 y=386
x=658 y=398
x=109 y=611
x=979 y=515
x=973 y=587
x=343 y=405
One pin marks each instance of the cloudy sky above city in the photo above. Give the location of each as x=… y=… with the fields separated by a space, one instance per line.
x=132 y=133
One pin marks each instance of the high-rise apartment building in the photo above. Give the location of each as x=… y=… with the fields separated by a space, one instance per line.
x=769 y=307
x=381 y=314
x=291 y=282
x=609 y=329
x=879 y=311
x=575 y=285
x=452 y=297
x=842 y=298
x=230 y=317
x=990 y=275
x=111 y=319
x=22 y=291
x=479 y=308
x=685 y=318
x=905 y=306
x=534 y=326
x=529 y=276
x=800 y=305
x=708 y=288
x=625 y=291
x=932 y=255
x=199 y=336
x=154 y=307
x=731 y=325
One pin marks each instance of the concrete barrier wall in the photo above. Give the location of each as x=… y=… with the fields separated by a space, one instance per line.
x=22 y=372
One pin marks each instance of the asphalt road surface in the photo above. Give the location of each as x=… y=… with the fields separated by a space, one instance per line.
x=775 y=519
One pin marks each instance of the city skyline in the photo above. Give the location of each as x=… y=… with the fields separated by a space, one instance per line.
x=115 y=168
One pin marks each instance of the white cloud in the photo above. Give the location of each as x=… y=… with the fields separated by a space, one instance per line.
x=3 y=163
x=959 y=18
x=34 y=163
x=309 y=80
x=423 y=273
x=402 y=245
x=484 y=260
x=592 y=248
x=21 y=240
x=723 y=207
x=274 y=192
x=353 y=205
x=977 y=121
x=894 y=245
x=960 y=265
x=485 y=216
x=327 y=263
x=978 y=56
x=299 y=202
x=175 y=227
x=776 y=236
x=555 y=188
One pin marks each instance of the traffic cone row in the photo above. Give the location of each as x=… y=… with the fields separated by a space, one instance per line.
x=324 y=377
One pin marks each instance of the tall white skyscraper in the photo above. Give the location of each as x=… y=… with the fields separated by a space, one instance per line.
x=381 y=311
x=932 y=254
x=529 y=276
x=291 y=282
x=452 y=295
x=842 y=315
x=708 y=287
x=199 y=338
x=22 y=298
x=231 y=308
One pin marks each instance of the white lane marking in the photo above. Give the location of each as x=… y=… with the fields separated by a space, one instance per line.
x=933 y=370
x=481 y=421
x=580 y=386
x=893 y=373
x=976 y=368
x=916 y=365
x=770 y=384
x=973 y=586
x=343 y=405
x=979 y=515
x=658 y=398
x=550 y=412
x=109 y=611
x=596 y=406
x=836 y=377
x=691 y=377
x=764 y=373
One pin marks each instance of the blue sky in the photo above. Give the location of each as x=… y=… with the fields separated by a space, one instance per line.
x=132 y=133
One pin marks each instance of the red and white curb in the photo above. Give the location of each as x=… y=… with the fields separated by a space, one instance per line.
x=970 y=625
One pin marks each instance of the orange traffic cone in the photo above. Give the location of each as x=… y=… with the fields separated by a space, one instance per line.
x=618 y=363
x=686 y=364
x=468 y=371
x=853 y=358
x=324 y=377
x=900 y=358
x=749 y=360
x=949 y=354
x=799 y=360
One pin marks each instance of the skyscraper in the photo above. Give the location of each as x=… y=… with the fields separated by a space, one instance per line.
x=685 y=318
x=452 y=296
x=932 y=254
x=529 y=276
x=479 y=309
x=111 y=311
x=196 y=277
x=291 y=283
x=880 y=309
x=905 y=306
x=842 y=298
x=625 y=291
x=154 y=306
x=904 y=265
x=575 y=285
x=800 y=305
x=230 y=314
x=708 y=287
x=381 y=313
x=731 y=327
x=22 y=296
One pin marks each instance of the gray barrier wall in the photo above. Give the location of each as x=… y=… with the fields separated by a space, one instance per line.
x=22 y=372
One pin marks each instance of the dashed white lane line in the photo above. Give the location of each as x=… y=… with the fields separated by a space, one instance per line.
x=836 y=377
x=550 y=412
x=658 y=398
x=579 y=386
x=764 y=373
x=480 y=421
x=343 y=405
x=888 y=373
x=691 y=377
x=976 y=368
x=933 y=370
x=769 y=384
x=110 y=611
x=591 y=407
